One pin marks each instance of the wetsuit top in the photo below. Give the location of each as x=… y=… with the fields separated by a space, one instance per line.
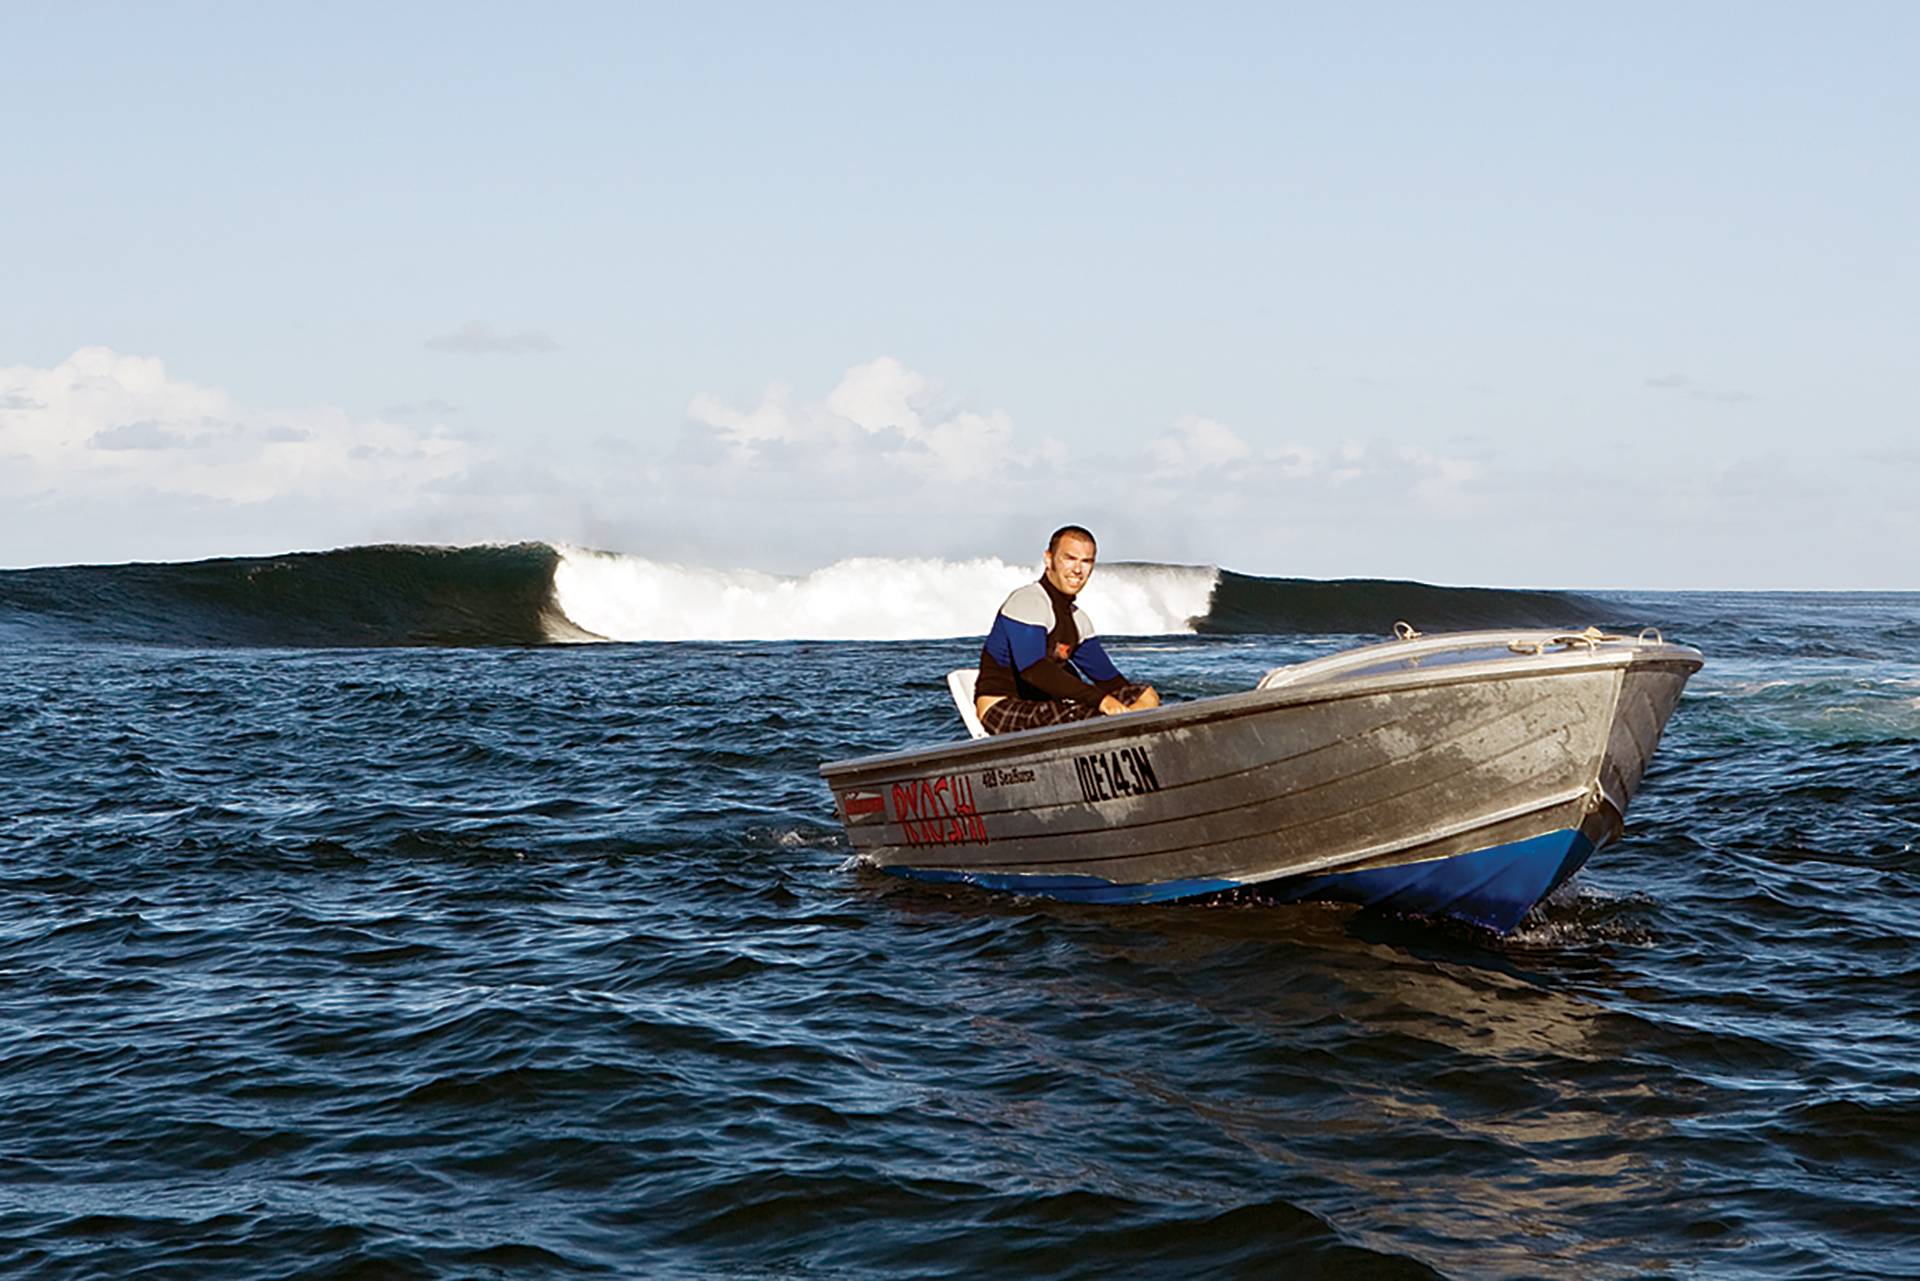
x=1042 y=647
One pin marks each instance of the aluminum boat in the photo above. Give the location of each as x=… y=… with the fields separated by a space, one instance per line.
x=1462 y=775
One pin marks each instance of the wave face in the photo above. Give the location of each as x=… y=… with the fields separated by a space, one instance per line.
x=355 y=596
x=1245 y=605
x=533 y=593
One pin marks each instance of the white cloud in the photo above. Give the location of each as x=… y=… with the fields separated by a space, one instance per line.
x=1201 y=458
x=103 y=425
x=1443 y=484
x=1682 y=385
x=881 y=458
x=478 y=338
x=881 y=415
x=431 y=408
x=1196 y=444
x=144 y=434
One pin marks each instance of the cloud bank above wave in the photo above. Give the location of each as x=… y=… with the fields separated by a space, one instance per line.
x=108 y=456
x=111 y=456
x=104 y=424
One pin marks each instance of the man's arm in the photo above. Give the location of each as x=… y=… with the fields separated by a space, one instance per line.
x=1056 y=679
x=1091 y=658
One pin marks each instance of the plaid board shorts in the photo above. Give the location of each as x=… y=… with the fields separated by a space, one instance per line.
x=1010 y=714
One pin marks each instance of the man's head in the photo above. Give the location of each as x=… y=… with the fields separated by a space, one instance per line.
x=1070 y=559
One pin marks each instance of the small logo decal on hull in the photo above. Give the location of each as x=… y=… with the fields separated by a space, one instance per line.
x=863 y=807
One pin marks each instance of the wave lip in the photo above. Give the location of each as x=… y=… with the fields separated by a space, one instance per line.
x=633 y=598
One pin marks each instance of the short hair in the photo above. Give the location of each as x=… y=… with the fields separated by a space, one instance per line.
x=1070 y=531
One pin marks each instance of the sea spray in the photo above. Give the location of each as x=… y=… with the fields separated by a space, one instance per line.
x=632 y=598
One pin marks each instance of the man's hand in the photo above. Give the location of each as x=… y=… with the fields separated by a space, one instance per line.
x=1148 y=700
x=1111 y=706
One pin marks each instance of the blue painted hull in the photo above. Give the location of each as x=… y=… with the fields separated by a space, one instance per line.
x=1493 y=887
x=1071 y=889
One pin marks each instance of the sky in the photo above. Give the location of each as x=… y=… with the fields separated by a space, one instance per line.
x=1500 y=294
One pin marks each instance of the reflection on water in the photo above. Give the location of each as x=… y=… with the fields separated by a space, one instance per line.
x=1401 y=1083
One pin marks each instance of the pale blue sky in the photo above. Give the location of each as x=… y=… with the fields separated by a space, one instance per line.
x=1482 y=293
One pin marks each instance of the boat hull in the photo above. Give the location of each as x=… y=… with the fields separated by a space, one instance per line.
x=1493 y=888
x=1450 y=777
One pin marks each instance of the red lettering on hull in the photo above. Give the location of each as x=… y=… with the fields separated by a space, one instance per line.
x=938 y=812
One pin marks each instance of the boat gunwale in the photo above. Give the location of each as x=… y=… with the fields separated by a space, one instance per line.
x=1222 y=707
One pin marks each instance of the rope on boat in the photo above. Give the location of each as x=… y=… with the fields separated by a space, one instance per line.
x=1592 y=638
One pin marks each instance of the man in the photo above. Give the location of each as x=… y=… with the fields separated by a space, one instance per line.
x=1042 y=664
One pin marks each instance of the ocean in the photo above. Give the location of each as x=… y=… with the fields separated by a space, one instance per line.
x=366 y=916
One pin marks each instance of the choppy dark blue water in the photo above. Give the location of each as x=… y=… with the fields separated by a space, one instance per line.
x=547 y=961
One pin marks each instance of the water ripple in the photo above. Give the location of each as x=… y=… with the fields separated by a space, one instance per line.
x=542 y=962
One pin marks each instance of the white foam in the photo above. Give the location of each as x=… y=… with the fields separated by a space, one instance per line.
x=631 y=598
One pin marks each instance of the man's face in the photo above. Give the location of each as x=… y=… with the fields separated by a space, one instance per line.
x=1070 y=564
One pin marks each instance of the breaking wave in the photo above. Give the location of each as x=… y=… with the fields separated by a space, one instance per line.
x=868 y=598
x=536 y=593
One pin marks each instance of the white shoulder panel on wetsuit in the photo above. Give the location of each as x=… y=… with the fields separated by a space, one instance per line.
x=1030 y=605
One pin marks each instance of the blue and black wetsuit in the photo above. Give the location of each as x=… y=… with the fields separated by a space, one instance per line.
x=1042 y=649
